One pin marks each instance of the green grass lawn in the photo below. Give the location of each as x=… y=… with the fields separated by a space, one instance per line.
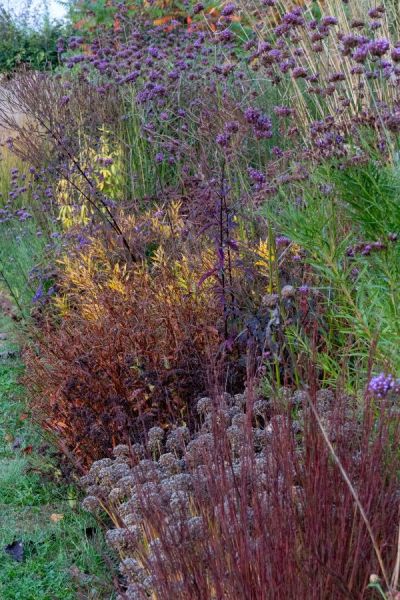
x=63 y=547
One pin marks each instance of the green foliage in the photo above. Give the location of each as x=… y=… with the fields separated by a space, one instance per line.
x=371 y=194
x=21 y=44
x=88 y=16
x=361 y=292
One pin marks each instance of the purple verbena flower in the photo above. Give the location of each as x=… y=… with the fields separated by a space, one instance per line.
x=304 y=290
x=395 y=55
x=228 y=9
x=38 y=294
x=381 y=385
x=198 y=8
x=375 y=13
x=360 y=54
x=283 y=111
x=299 y=72
x=256 y=176
x=223 y=139
x=282 y=240
x=328 y=21
x=379 y=47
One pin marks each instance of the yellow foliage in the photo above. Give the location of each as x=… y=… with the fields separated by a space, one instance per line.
x=266 y=262
x=188 y=273
x=108 y=181
x=88 y=273
x=61 y=304
x=118 y=279
x=159 y=258
x=171 y=223
x=267 y=256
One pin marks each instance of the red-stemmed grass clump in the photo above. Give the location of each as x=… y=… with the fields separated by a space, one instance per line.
x=254 y=505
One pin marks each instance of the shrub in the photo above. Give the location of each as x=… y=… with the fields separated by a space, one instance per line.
x=131 y=346
x=24 y=44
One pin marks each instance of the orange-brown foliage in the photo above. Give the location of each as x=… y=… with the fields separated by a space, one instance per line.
x=133 y=345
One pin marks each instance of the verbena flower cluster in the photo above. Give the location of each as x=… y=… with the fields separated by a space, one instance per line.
x=155 y=65
x=384 y=384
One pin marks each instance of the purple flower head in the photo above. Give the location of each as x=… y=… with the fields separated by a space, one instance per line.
x=360 y=54
x=38 y=294
x=282 y=29
x=228 y=9
x=299 y=72
x=294 y=17
x=231 y=127
x=131 y=77
x=357 y=70
x=375 y=13
x=223 y=139
x=350 y=40
x=198 y=8
x=264 y=47
x=154 y=52
x=379 y=47
x=283 y=111
x=282 y=240
x=395 y=55
x=274 y=55
x=338 y=76
x=381 y=385
x=256 y=176
x=252 y=114
x=277 y=152
x=328 y=21
x=60 y=44
x=262 y=124
x=226 y=35
x=174 y=74
x=392 y=121
x=304 y=290
x=82 y=241
x=250 y=44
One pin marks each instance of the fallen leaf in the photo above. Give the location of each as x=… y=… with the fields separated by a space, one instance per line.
x=15 y=550
x=56 y=517
x=27 y=450
x=23 y=416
